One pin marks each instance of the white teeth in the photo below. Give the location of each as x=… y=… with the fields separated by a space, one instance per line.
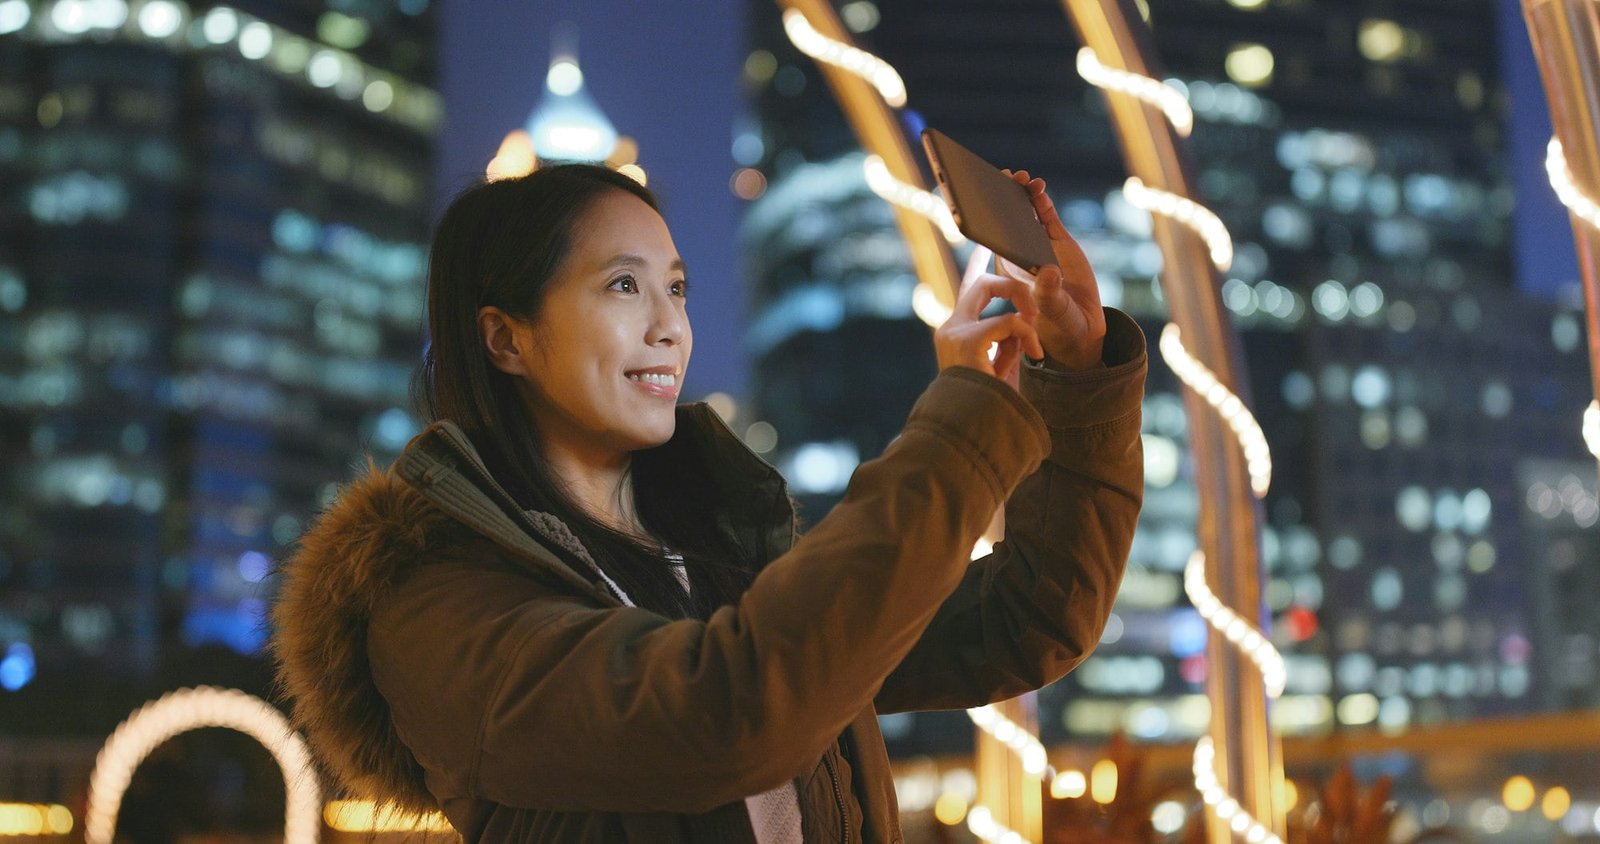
x=653 y=378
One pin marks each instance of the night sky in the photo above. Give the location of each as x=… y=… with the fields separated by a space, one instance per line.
x=668 y=74
x=1542 y=248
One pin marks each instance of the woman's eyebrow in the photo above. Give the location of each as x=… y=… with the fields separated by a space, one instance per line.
x=630 y=260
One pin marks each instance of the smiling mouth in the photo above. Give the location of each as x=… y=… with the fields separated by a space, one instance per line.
x=657 y=378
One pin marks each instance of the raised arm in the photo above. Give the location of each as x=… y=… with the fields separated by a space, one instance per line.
x=552 y=703
x=1034 y=608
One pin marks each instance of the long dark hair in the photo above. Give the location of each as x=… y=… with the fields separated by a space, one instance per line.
x=499 y=243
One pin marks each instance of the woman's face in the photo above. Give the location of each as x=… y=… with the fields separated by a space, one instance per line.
x=605 y=356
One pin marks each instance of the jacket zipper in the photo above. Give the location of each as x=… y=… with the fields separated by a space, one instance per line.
x=838 y=795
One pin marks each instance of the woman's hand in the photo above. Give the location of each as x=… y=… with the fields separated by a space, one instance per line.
x=1071 y=323
x=965 y=338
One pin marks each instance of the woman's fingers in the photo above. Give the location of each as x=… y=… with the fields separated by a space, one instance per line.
x=1006 y=360
x=1045 y=209
x=965 y=339
x=996 y=329
x=1047 y=283
x=978 y=293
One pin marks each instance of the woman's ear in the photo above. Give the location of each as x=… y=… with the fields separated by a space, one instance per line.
x=496 y=328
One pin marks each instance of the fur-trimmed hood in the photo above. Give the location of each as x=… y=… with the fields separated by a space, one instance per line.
x=433 y=498
x=378 y=525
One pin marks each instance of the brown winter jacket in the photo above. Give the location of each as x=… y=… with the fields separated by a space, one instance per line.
x=438 y=653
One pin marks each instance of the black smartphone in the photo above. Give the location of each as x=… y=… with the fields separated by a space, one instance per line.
x=989 y=208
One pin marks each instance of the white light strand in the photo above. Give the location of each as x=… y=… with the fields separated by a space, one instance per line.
x=926 y=305
x=847 y=57
x=1587 y=210
x=1194 y=374
x=1274 y=675
x=926 y=203
x=1186 y=211
x=1022 y=741
x=1198 y=377
x=1244 y=635
x=982 y=823
x=1567 y=190
x=191 y=709
x=1591 y=428
x=1227 y=808
x=1170 y=100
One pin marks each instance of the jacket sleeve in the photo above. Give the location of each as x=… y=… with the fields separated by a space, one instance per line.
x=1032 y=610
x=506 y=691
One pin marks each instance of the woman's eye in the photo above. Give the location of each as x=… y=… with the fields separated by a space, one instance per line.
x=680 y=288
x=625 y=283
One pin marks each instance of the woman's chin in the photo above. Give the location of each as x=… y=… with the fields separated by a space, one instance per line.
x=651 y=437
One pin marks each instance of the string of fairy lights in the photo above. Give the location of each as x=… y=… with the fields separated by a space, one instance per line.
x=1194 y=374
x=847 y=57
x=1217 y=797
x=927 y=203
x=1591 y=427
x=1170 y=100
x=1587 y=210
x=1239 y=632
x=1198 y=377
x=1274 y=676
x=1186 y=211
x=1234 y=627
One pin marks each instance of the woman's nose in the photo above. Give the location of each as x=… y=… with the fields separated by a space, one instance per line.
x=668 y=322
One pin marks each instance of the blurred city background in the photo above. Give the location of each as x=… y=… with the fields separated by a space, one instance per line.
x=213 y=235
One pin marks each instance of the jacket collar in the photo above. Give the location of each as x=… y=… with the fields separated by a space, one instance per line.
x=751 y=498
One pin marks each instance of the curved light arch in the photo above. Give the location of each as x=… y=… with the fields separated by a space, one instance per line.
x=1192 y=240
x=856 y=88
x=184 y=710
x=1194 y=244
x=1581 y=207
x=1566 y=44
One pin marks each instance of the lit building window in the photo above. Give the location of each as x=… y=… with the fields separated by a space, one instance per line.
x=1387 y=590
x=1250 y=65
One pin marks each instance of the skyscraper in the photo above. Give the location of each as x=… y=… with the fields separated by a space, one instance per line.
x=211 y=275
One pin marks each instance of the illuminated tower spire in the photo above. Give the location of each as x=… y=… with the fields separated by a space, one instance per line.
x=567 y=125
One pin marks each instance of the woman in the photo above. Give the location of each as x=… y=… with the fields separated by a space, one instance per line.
x=577 y=611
